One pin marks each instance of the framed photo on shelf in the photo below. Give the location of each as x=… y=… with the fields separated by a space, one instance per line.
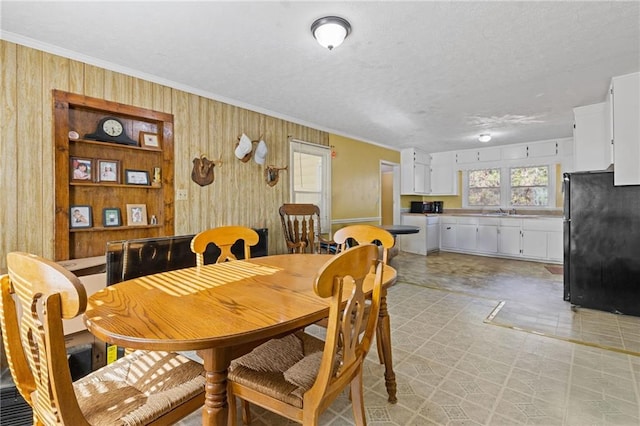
x=81 y=169
x=149 y=140
x=111 y=217
x=136 y=177
x=80 y=217
x=108 y=171
x=136 y=215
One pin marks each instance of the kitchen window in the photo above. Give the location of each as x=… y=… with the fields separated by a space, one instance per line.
x=529 y=186
x=484 y=187
x=509 y=187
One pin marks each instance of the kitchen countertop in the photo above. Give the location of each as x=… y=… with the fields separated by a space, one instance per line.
x=476 y=214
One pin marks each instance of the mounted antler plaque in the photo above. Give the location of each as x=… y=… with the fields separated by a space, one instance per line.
x=202 y=172
x=272 y=174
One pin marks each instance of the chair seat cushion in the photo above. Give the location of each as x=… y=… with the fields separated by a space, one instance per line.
x=138 y=388
x=285 y=381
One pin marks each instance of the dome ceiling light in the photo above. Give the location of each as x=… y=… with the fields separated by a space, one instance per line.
x=330 y=31
x=485 y=137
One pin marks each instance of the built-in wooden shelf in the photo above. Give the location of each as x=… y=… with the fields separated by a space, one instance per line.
x=81 y=114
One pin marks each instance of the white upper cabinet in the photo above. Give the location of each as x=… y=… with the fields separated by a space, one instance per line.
x=508 y=155
x=542 y=149
x=489 y=154
x=626 y=129
x=467 y=157
x=444 y=177
x=514 y=152
x=591 y=138
x=415 y=172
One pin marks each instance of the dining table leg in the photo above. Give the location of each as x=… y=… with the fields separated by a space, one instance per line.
x=384 y=334
x=216 y=366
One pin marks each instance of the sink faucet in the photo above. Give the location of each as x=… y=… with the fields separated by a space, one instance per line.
x=512 y=211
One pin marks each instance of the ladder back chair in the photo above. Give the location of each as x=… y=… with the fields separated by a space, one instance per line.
x=301 y=228
x=299 y=376
x=224 y=237
x=145 y=387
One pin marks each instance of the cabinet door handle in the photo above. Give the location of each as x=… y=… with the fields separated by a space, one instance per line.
x=448 y=227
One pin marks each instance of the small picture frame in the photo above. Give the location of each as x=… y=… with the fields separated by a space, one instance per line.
x=136 y=177
x=149 y=140
x=111 y=217
x=108 y=171
x=80 y=217
x=81 y=169
x=136 y=215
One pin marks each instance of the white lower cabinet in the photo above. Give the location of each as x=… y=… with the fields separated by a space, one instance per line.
x=542 y=239
x=534 y=244
x=466 y=234
x=509 y=237
x=555 y=246
x=426 y=240
x=487 y=235
x=414 y=243
x=433 y=234
x=448 y=233
x=533 y=239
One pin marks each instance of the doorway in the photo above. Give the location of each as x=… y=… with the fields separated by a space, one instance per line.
x=389 y=193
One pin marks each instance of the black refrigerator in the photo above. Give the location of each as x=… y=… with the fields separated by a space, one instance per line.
x=601 y=243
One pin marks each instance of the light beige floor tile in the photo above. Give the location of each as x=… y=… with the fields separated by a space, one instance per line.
x=453 y=368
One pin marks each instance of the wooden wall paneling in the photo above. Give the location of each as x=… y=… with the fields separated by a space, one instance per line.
x=238 y=195
x=181 y=160
x=76 y=77
x=168 y=178
x=142 y=93
x=30 y=150
x=167 y=96
x=193 y=149
x=55 y=75
x=93 y=82
x=118 y=87
x=9 y=188
x=277 y=147
x=201 y=144
x=157 y=97
x=221 y=148
x=261 y=204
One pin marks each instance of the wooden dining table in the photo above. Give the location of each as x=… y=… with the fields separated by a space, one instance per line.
x=221 y=311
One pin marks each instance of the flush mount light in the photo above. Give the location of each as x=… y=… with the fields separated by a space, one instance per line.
x=330 y=31
x=485 y=137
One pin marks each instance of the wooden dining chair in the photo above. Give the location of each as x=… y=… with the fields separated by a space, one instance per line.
x=299 y=376
x=301 y=228
x=365 y=234
x=224 y=237
x=144 y=387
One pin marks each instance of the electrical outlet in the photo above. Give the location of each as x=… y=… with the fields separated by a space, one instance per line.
x=181 y=195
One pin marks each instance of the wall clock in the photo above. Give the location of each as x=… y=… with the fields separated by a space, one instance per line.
x=111 y=129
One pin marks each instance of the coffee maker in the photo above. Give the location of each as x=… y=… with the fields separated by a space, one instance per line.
x=437 y=206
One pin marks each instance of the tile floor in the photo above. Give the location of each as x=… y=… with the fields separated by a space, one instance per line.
x=454 y=368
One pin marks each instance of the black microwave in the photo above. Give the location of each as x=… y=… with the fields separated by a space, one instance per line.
x=426 y=207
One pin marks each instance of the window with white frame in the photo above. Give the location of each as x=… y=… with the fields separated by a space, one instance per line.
x=526 y=186
x=310 y=178
x=529 y=186
x=483 y=187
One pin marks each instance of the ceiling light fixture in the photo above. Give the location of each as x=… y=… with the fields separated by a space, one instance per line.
x=485 y=137
x=330 y=31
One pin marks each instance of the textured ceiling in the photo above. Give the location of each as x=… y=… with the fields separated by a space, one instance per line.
x=425 y=74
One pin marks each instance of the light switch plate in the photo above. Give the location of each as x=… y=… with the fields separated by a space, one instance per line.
x=181 y=195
